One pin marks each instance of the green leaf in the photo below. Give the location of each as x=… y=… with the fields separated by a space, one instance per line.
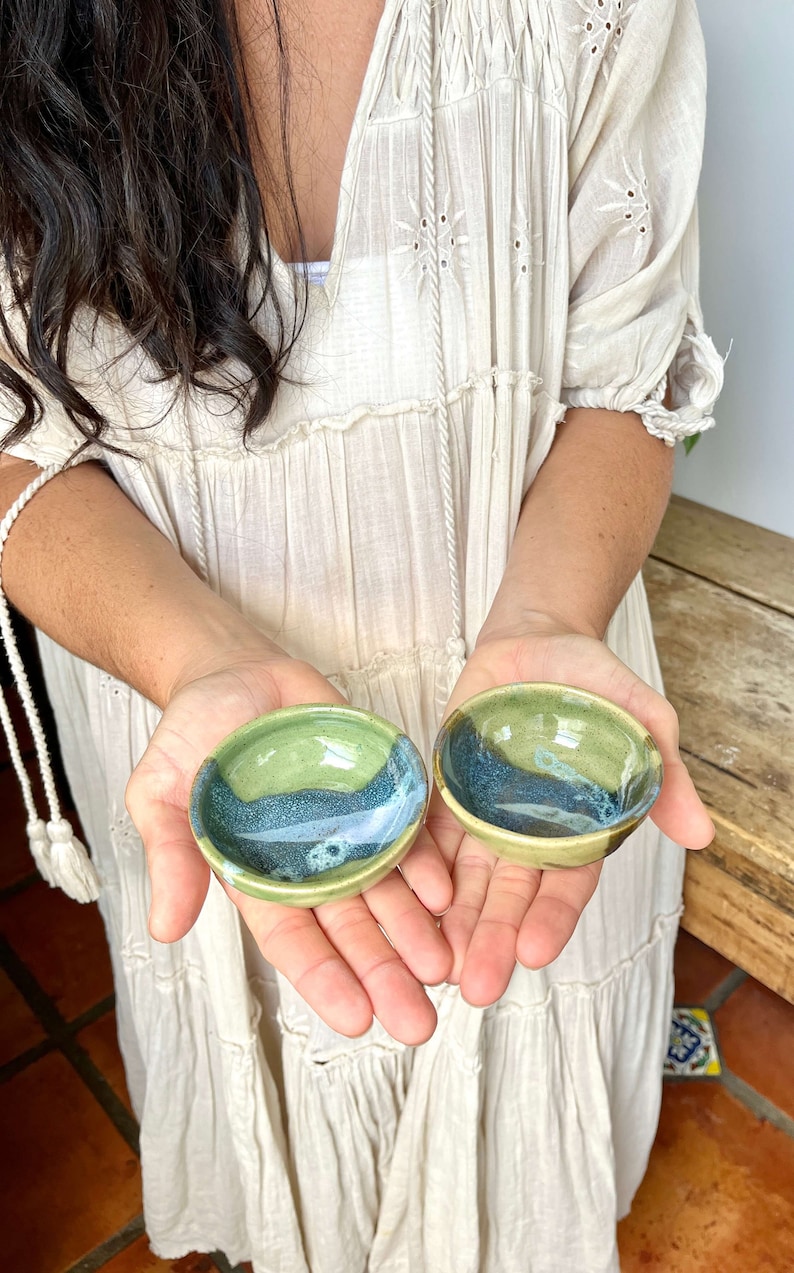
x=691 y=441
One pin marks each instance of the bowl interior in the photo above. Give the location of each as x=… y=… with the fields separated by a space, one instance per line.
x=305 y=791
x=548 y=761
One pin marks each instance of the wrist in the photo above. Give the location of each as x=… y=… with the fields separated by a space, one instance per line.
x=520 y=622
x=217 y=638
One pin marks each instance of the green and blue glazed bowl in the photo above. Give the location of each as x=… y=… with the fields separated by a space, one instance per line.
x=309 y=804
x=546 y=775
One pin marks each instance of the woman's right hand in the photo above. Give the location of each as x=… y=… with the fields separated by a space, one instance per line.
x=336 y=955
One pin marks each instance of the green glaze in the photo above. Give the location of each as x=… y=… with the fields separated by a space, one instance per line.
x=287 y=757
x=546 y=775
x=309 y=804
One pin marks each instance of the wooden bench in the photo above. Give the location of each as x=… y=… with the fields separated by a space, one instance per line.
x=721 y=593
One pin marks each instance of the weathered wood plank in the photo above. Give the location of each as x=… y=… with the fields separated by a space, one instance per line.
x=728 y=664
x=741 y=924
x=721 y=593
x=749 y=868
x=742 y=557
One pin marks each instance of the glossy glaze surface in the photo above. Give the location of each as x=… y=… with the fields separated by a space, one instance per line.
x=309 y=804
x=547 y=775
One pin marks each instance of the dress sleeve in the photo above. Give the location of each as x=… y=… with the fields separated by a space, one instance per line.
x=637 y=97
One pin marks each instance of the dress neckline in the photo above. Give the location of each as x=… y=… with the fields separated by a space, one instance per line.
x=329 y=284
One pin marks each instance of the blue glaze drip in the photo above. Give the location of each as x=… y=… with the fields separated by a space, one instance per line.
x=306 y=833
x=557 y=801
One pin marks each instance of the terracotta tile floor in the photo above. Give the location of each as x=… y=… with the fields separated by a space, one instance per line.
x=718 y=1194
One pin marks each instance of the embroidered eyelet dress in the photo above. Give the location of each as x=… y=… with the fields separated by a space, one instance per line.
x=516 y=234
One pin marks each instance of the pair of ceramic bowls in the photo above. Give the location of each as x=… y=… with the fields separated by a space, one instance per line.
x=314 y=803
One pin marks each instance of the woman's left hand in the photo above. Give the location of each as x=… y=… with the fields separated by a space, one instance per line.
x=502 y=912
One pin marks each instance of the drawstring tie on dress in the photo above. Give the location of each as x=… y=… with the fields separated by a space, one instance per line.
x=456 y=645
x=60 y=857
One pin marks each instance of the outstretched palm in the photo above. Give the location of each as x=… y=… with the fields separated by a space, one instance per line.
x=337 y=955
x=500 y=911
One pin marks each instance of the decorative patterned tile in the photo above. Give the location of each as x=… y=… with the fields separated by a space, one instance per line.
x=19 y=1028
x=692 y=1051
x=718 y=1193
x=69 y=1182
x=62 y=943
x=698 y=969
x=757 y=1041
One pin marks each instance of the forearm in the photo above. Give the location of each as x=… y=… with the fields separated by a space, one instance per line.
x=86 y=567
x=586 y=526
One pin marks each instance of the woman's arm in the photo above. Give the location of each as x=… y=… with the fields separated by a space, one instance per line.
x=83 y=564
x=585 y=528
x=88 y=568
x=586 y=525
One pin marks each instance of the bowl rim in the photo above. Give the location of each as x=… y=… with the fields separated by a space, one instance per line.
x=363 y=872
x=557 y=844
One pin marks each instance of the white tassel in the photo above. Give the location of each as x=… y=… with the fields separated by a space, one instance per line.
x=70 y=866
x=456 y=653
x=61 y=859
x=40 y=848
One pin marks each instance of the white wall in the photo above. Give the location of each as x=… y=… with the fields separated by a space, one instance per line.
x=745 y=465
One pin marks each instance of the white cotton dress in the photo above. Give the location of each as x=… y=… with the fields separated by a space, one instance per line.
x=516 y=234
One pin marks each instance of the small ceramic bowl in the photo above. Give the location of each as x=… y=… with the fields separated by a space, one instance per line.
x=546 y=775
x=309 y=804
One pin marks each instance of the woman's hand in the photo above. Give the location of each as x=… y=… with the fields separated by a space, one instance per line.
x=336 y=956
x=500 y=911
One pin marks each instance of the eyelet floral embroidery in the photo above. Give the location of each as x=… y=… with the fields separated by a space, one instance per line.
x=420 y=238
x=112 y=687
x=632 y=209
x=602 y=27
x=527 y=248
x=124 y=837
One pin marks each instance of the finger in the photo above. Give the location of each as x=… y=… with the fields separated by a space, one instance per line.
x=411 y=929
x=554 y=913
x=398 y=1000
x=491 y=956
x=427 y=873
x=471 y=876
x=679 y=812
x=293 y=942
x=179 y=875
x=446 y=833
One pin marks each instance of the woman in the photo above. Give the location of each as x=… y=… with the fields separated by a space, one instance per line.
x=440 y=469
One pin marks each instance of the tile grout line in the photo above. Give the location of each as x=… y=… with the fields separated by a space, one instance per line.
x=10 y=1069
x=100 y=1009
x=19 y=886
x=735 y=978
x=61 y=1034
x=223 y=1264
x=757 y=1104
x=101 y=1254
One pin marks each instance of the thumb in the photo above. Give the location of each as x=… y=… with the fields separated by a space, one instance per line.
x=679 y=812
x=179 y=875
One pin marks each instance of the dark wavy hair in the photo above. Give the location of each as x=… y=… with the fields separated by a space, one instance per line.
x=127 y=186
